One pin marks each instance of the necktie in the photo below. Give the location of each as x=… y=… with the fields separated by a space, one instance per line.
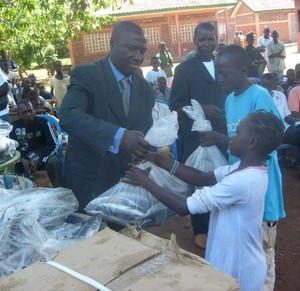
x=125 y=97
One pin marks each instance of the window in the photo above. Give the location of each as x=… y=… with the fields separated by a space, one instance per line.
x=153 y=36
x=186 y=32
x=97 y=42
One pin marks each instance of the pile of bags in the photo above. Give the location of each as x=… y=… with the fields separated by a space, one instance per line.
x=37 y=223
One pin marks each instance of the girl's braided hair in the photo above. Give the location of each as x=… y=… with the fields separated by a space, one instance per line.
x=268 y=128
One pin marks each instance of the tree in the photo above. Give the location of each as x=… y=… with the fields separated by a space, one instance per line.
x=37 y=30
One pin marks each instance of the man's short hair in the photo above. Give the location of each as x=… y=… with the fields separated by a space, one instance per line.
x=205 y=26
x=24 y=102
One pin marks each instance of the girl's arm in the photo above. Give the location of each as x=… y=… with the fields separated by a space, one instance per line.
x=187 y=174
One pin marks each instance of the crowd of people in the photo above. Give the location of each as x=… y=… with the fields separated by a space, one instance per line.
x=37 y=140
x=108 y=106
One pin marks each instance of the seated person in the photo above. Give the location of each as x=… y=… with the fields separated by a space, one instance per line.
x=38 y=102
x=289 y=82
x=44 y=93
x=25 y=88
x=294 y=100
x=163 y=93
x=37 y=144
x=292 y=122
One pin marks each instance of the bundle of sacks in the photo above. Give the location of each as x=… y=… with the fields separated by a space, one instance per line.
x=37 y=223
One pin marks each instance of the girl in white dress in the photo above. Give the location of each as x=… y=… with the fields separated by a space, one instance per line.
x=236 y=199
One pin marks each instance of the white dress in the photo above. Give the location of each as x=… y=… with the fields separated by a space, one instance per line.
x=234 y=243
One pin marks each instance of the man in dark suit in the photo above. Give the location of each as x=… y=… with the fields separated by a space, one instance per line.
x=195 y=79
x=106 y=120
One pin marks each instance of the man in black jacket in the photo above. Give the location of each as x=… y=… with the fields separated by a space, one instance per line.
x=38 y=144
x=105 y=119
x=195 y=79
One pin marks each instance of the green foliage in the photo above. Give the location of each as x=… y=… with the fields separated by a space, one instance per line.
x=38 y=30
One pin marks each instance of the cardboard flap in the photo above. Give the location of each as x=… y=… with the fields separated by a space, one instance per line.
x=41 y=276
x=105 y=256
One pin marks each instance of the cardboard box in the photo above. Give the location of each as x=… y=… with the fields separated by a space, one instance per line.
x=131 y=260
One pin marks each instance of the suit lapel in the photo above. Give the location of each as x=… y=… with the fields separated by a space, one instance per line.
x=199 y=66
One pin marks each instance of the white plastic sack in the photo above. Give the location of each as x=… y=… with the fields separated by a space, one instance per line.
x=7 y=148
x=164 y=131
x=51 y=205
x=5 y=128
x=129 y=204
x=7 y=145
x=205 y=159
x=35 y=224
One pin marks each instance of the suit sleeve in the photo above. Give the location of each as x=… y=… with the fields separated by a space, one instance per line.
x=179 y=92
x=75 y=112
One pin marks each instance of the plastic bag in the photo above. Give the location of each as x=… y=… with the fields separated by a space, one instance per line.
x=129 y=204
x=205 y=159
x=7 y=148
x=7 y=145
x=51 y=205
x=37 y=223
x=5 y=128
x=164 y=131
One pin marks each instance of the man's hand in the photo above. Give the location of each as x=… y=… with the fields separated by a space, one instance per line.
x=212 y=111
x=134 y=143
x=27 y=165
x=34 y=167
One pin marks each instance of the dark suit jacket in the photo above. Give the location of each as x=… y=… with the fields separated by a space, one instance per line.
x=91 y=113
x=193 y=81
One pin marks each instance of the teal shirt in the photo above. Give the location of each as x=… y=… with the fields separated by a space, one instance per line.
x=236 y=108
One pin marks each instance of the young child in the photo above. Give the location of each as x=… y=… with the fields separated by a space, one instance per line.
x=152 y=75
x=236 y=201
x=231 y=66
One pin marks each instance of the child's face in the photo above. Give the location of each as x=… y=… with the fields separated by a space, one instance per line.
x=291 y=75
x=229 y=77
x=154 y=64
x=239 y=143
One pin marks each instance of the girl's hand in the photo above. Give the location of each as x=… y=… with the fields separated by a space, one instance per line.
x=137 y=176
